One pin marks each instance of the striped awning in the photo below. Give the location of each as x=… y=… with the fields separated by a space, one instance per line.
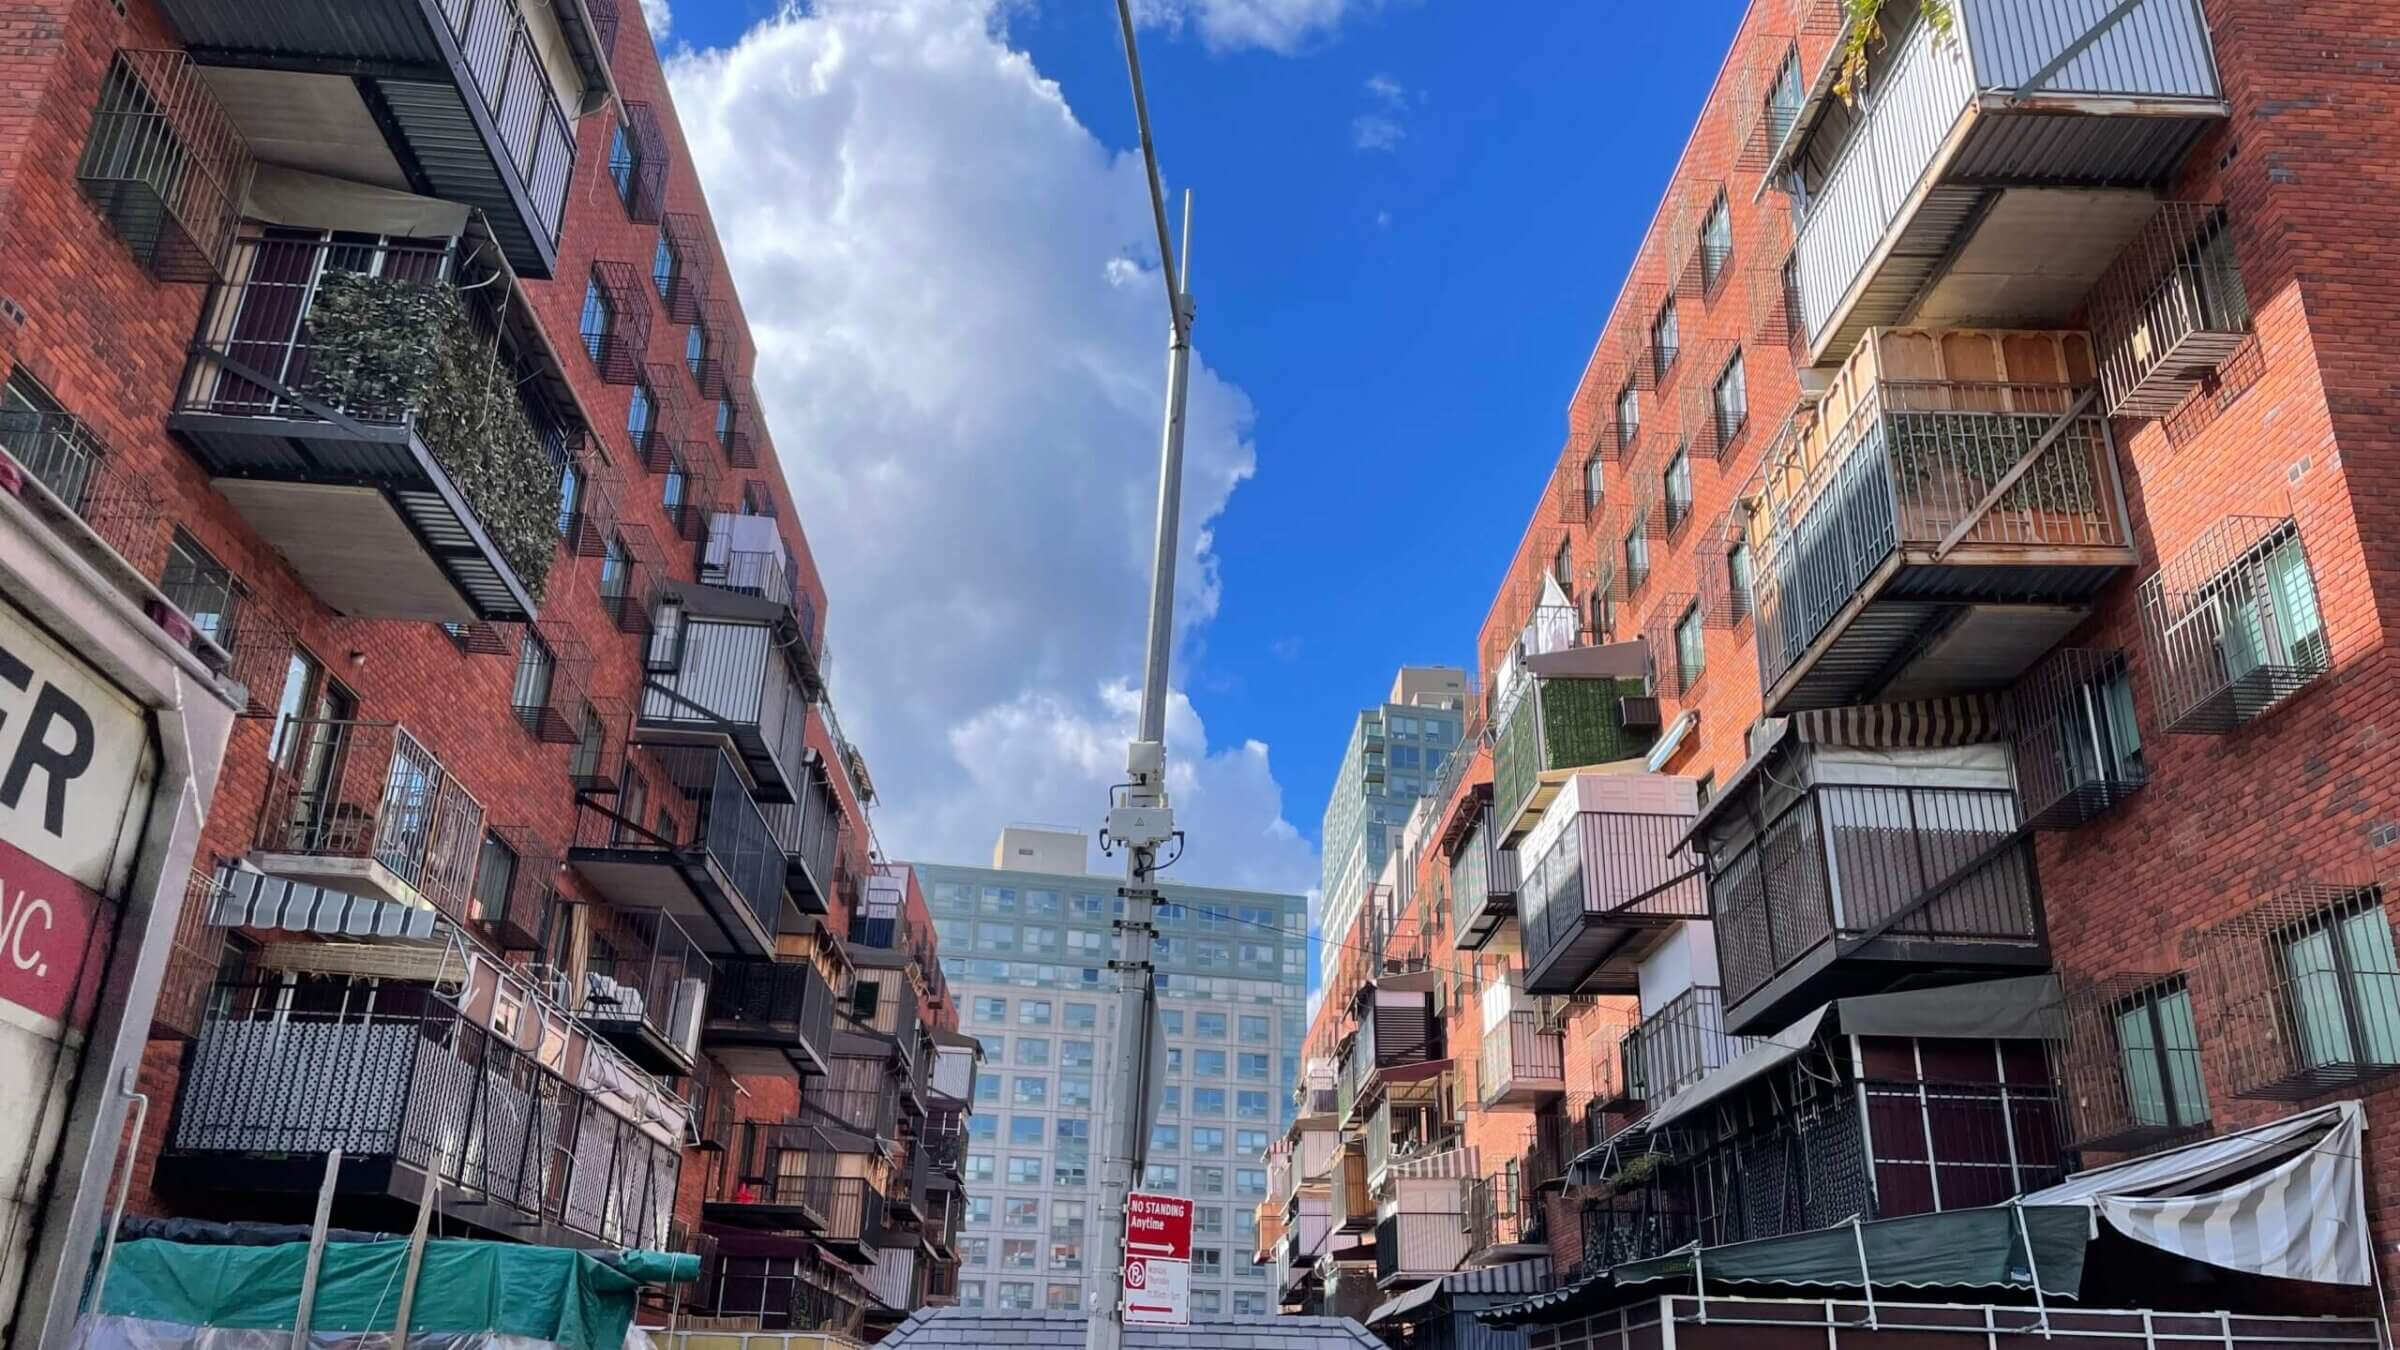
x=2298 y=1211
x=1515 y=1278
x=1933 y=723
x=256 y=900
x=1451 y=1164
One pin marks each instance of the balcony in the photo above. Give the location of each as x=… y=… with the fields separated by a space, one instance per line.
x=1483 y=879
x=645 y=990
x=954 y=1061
x=1399 y=1041
x=1351 y=1207
x=364 y=807
x=1681 y=1043
x=1400 y=1131
x=1918 y=537
x=1553 y=724
x=744 y=555
x=417 y=1092
x=2231 y=626
x=788 y=1178
x=347 y=400
x=810 y=830
x=1504 y=1218
x=2078 y=750
x=858 y=1094
x=1522 y=1065
x=459 y=98
x=712 y=865
x=1423 y=1235
x=770 y=1017
x=1607 y=875
x=1836 y=869
x=1998 y=169
x=722 y=683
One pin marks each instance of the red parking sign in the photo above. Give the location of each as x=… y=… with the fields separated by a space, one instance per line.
x=1158 y=1225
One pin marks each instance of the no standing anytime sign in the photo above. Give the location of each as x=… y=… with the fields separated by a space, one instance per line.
x=1158 y=1260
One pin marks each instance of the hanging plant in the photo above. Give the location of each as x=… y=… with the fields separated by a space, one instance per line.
x=1865 y=34
x=389 y=349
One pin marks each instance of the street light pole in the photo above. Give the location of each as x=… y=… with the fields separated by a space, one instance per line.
x=1139 y=816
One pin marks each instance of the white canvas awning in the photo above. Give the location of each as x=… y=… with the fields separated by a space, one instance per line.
x=2283 y=1200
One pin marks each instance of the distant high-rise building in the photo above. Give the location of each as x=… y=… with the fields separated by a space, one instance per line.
x=1029 y=953
x=1042 y=848
x=1394 y=755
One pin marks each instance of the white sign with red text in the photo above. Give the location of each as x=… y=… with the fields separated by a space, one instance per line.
x=1158 y=1260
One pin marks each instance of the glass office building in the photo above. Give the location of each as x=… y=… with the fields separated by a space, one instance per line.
x=1026 y=955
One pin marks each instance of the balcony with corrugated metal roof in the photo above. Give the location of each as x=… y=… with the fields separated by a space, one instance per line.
x=1988 y=168
x=469 y=101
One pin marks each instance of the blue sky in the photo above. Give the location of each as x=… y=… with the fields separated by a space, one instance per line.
x=1411 y=224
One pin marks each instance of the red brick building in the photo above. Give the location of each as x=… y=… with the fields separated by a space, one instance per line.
x=1973 y=499
x=385 y=355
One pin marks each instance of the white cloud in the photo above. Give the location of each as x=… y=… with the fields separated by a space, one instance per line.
x=1374 y=131
x=961 y=345
x=659 y=17
x=1276 y=25
x=1387 y=90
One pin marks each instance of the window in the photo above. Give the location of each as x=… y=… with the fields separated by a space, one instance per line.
x=1166 y=1138
x=1595 y=486
x=1171 y=1101
x=624 y=159
x=1174 y=1061
x=2266 y=610
x=1691 y=650
x=695 y=349
x=1716 y=242
x=970 y=1295
x=599 y=322
x=1019 y=1212
x=1208 y=1139
x=1172 y=1020
x=1041 y=941
x=1033 y=1012
x=975 y=1251
x=1086 y=941
x=2095 y=741
x=999 y=900
x=1032 y=1091
x=1024 y=1171
x=1662 y=342
x=616 y=577
x=1739 y=579
x=993 y=1011
x=983 y=1129
x=1250 y=1105
x=2344 y=983
x=1677 y=483
x=2158 y=1046
x=495 y=876
x=570 y=495
x=1246 y=1302
x=666 y=266
x=1075 y=1054
x=1025 y=1131
x=1629 y=415
x=979 y=1167
x=987 y=1089
x=1016 y=1296
x=641 y=416
x=1251 y=1068
x=996 y=937
x=1208 y=1218
x=203 y=588
x=304 y=689
x=1562 y=564
x=759 y=500
x=725 y=441
x=1732 y=401
x=1604 y=616
x=1209 y=1026
x=1249 y=1143
x=1061 y=1297
x=1208 y=1063
x=1637 y=555
x=1254 y=1029
x=529 y=692
x=1250 y=1180
x=1207 y=1302
x=1208 y=1262
x=1208 y=1180
x=1162 y=1176
x=1074 y=1090
x=1082 y=1016
x=1033 y=1052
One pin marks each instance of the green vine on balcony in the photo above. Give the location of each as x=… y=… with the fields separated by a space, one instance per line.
x=382 y=346
x=1865 y=35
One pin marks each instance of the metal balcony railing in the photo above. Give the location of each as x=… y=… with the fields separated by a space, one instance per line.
x=1520 y=1057
x=722 y=829
x=397 y=1072
x=723 y=682
x=2232 y=625
x=1427 y=1238
x=1682 y=1043
x=1502 y=1211
x=67 y=457
x=1606 y=870
x=166 y=165
x=367 y=796
x=647 y=981
x=856 y=1094
x=1921 y=465
x=505 y=70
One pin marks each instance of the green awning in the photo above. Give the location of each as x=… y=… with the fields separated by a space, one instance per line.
x=1956 y=1249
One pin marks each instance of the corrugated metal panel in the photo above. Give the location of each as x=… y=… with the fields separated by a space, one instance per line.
x=723 y=669
x=1925 y=244
x=388 y=31
x=460 y=165
x=2159 y=50
x=1863 y=650
x=2002 y=584
x=2074 y=149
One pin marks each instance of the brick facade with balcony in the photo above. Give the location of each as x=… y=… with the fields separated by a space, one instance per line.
x=499 y=701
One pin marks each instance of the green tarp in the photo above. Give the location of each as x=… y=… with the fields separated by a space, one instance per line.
x=565 y=1297
x=1955 y=1249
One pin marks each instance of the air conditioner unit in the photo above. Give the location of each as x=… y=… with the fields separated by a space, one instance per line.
x=1638 y=712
